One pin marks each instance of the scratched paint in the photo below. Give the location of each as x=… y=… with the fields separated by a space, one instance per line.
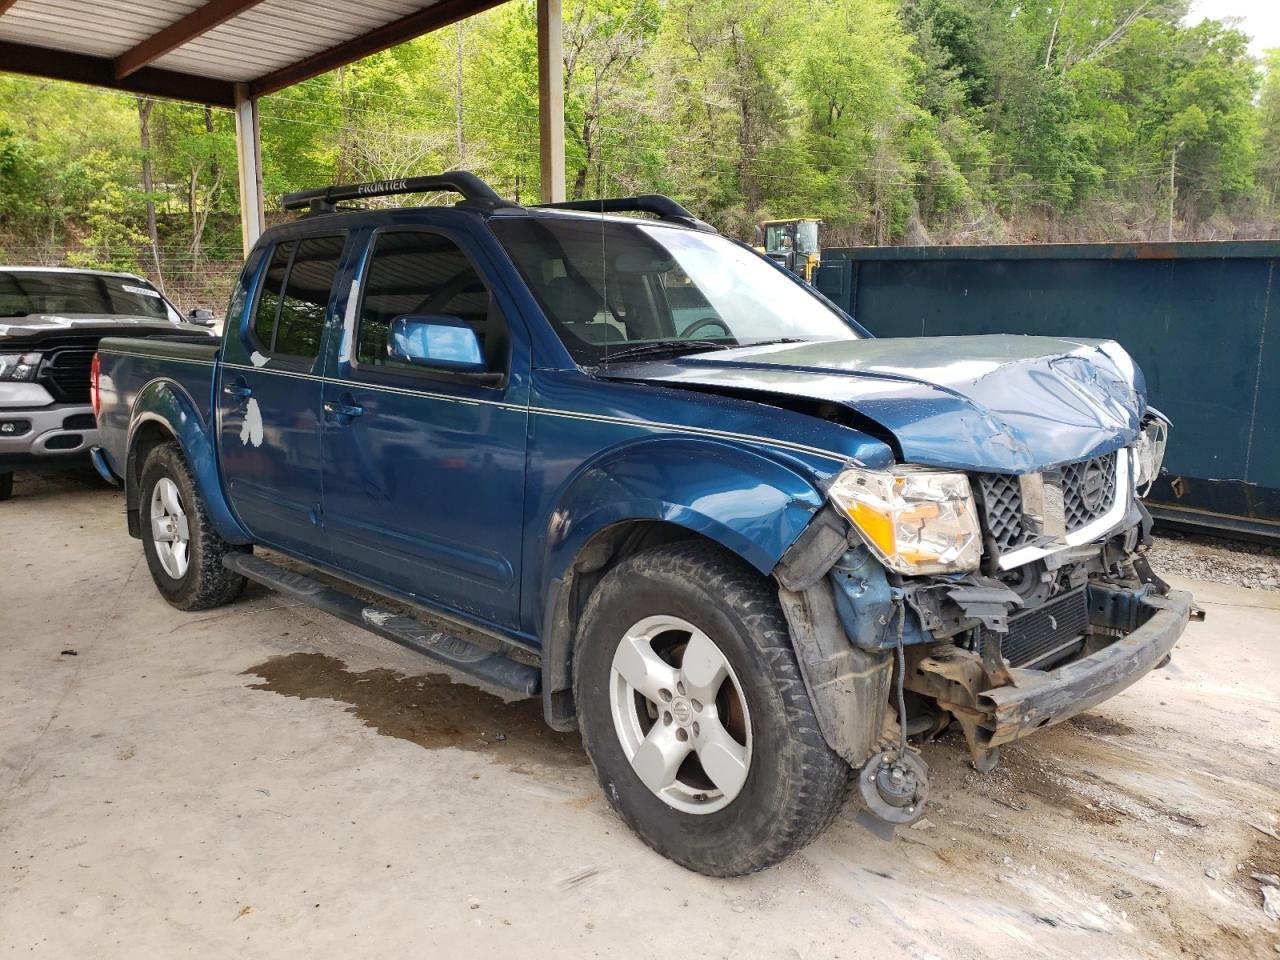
x=251 y=429
x=375 y=616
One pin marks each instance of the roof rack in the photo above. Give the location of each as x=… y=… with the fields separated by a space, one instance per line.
x=663 y=207
x=325 y=199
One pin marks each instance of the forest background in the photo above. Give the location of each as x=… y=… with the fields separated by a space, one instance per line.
x=895 y=121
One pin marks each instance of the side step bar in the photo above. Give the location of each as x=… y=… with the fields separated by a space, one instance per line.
x=487 y=665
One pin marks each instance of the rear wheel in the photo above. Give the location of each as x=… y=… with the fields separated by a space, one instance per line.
x=694 y=713
x=183 y=550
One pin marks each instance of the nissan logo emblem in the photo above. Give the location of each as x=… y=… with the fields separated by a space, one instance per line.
x=1093 y=486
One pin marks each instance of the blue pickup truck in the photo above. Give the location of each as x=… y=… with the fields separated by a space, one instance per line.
x=597 y=453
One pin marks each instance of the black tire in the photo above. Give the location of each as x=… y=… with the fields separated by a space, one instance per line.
x=6 y=486
x=795 y=783
x=207 y=583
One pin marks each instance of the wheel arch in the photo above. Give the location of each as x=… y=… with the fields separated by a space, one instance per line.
x=654 y=491
x=165 y=412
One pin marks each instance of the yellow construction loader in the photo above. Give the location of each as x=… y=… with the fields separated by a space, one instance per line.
x=792 y=243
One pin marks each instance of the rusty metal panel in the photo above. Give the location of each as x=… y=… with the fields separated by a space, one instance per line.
x=1199 y=318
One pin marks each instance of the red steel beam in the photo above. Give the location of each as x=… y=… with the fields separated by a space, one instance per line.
x=438 y=15
x=130 y=72
x=100 y=72
x=198 y=21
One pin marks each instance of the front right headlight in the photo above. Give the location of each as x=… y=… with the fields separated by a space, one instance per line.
x=915 y=520
x=1148 y=452
x=19 y=366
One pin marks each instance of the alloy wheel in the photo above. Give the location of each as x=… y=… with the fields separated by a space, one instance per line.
x=680 y=714
x=169 y=529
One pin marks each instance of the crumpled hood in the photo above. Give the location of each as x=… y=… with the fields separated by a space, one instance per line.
x=42 y=325
x=1000 y=403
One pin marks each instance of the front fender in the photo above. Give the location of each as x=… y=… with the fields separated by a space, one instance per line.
x=166 y=404
x=747 y=501
x=753 y=503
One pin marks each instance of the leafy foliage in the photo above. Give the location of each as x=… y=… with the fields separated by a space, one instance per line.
x=893 y=120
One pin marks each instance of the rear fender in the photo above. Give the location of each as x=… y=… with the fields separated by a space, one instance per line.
x=164 y=404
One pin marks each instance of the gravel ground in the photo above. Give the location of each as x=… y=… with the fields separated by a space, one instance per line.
x=1234 y=562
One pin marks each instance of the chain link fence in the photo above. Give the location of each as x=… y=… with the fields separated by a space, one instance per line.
x=187 y=282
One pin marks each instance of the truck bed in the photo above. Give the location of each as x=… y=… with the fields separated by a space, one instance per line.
x=181 y=363
x=179 y=346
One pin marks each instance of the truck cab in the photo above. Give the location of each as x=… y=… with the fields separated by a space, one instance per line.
x=596 y=453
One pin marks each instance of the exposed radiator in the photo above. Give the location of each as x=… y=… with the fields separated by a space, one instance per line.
x=1048 y=632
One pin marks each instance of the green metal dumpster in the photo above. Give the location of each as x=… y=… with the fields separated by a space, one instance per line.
x=1195 y=316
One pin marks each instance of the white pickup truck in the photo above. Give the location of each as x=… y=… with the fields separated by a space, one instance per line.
x=51 y=319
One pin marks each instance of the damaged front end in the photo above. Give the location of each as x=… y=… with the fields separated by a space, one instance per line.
x=901 y=631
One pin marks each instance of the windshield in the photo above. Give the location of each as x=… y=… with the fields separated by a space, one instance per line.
x=807 y=236
x=779 y=237
x=24 y=293
x=608 y=286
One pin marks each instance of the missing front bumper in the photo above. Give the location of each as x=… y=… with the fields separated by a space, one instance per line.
x=1034 y=699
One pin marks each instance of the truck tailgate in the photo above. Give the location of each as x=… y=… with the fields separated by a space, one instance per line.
x=128 y=364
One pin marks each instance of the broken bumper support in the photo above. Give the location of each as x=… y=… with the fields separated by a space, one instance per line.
x=1035 y=699
x=1043 y=698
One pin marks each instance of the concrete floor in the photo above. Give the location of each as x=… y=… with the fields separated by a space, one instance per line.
x=263 y=781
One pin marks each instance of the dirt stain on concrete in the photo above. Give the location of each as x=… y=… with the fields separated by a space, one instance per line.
x=429 y=710
x=1101 y=726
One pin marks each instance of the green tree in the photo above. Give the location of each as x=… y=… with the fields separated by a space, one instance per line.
x=892 y=120
x=1269 y=132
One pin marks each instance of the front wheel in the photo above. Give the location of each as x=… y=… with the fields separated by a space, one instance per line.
x=695 y=716
x=183 y=549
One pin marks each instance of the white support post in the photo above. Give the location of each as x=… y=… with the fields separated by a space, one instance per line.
x=249 y=167
x=551 y=98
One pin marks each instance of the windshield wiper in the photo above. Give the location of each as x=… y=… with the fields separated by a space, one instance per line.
x=657 y=348
x=769 y=343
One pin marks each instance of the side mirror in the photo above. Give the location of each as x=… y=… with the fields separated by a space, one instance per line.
x=437 y=341
x=202 y=316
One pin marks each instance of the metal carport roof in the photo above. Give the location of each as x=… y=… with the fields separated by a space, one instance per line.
x=194 y=50
x=228 y=53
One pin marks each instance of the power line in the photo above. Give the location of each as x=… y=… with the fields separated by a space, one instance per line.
x=1155 y=169
x=1013 y=184
x=446 y=113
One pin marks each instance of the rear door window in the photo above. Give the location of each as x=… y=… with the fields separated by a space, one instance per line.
x=264 y=323
x=295 y=296
x=306 y=296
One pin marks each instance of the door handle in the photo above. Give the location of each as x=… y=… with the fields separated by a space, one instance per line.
x=239 y=389
x=342 y=412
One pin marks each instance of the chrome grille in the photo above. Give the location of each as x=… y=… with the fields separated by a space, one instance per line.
x=1088 y=492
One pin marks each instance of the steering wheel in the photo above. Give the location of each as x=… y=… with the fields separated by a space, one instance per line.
x=704 y=322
